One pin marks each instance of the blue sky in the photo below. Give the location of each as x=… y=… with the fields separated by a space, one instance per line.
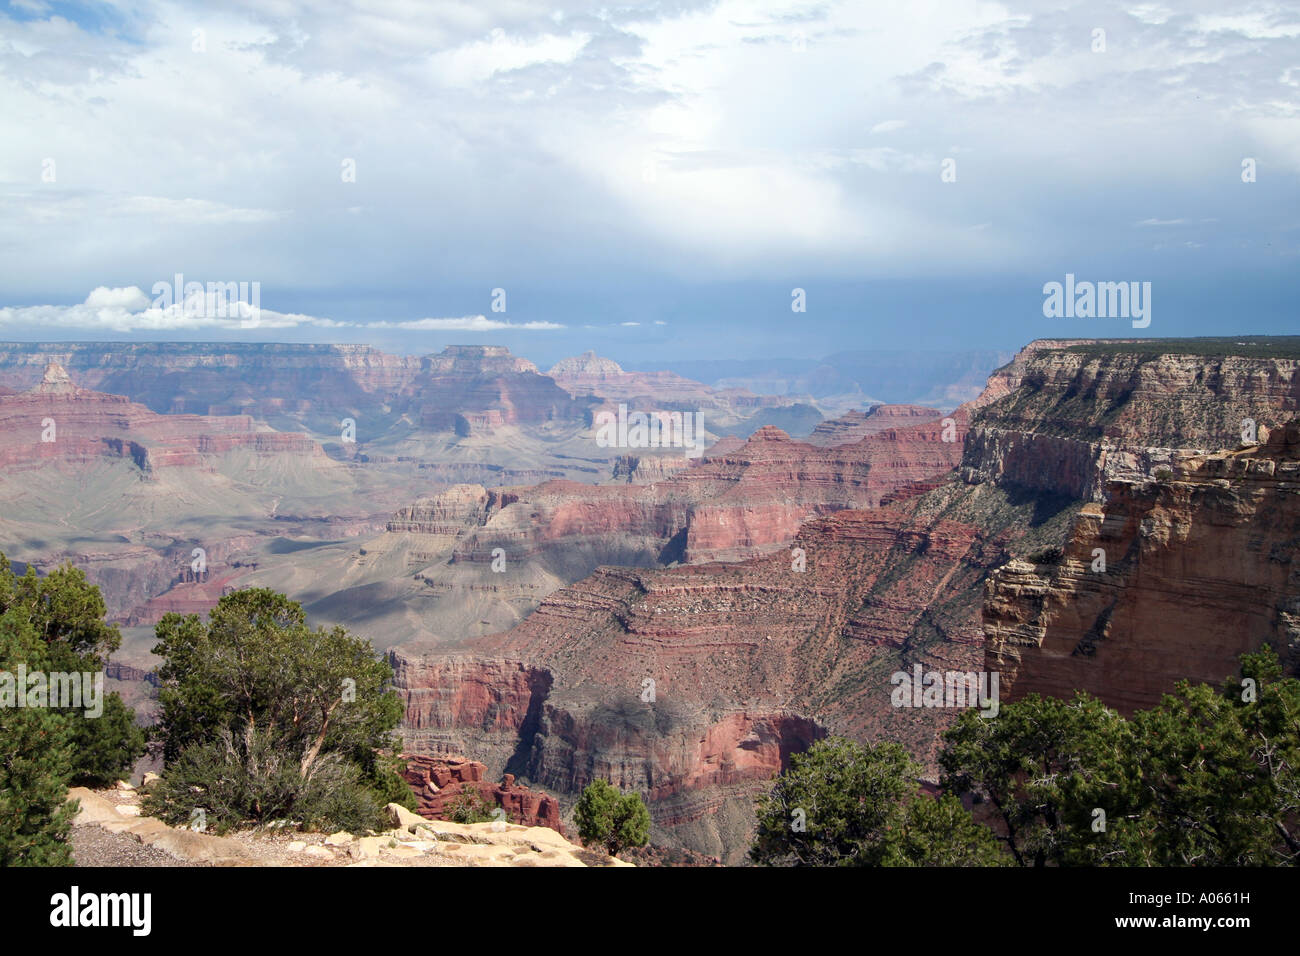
x=649 y=180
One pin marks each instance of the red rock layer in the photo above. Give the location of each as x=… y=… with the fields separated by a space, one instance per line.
x=730 y=505
x=439 y=783
x=858 y=425
x=86 y=425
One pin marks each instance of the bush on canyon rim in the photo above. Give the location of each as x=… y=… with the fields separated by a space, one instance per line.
x=470 y=807
x=1207 y=778
x=614 y=820
x=66 y=614
x=264 y=719
x=35 y=763
x=54 y=624
x=842 y=804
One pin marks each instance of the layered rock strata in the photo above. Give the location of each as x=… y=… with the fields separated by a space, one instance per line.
x=1169 y=579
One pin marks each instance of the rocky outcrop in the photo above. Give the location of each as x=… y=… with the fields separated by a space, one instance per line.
x=1169 y=579
x=648 y=469
x=115 y=818
x=586 y=368
x=855 y=426
x=57 y=421
x=1080 y=415
x=441 y=783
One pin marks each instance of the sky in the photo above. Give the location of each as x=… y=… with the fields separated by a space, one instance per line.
x=650 y=180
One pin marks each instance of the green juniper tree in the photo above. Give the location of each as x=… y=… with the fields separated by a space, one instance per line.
x=1051 y=773
x=611 y=819
x=66 y=614
x=264 y=718
x=55 y=625
x=36 y=762
x=843 y=804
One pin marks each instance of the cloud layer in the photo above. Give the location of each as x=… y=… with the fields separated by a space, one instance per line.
x=433 y=152
x=130 y=310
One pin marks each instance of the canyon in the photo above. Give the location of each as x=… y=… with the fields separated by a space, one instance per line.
x=693 y=684
x=471 y=560
x=268 y=459
x=556 y=612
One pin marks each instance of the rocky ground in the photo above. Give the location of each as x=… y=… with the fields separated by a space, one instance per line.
x=109 y=830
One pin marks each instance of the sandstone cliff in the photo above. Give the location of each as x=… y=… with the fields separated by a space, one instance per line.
x=1169 y=579
x=1079 y=415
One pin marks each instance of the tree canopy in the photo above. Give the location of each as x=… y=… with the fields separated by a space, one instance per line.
x=270 y=719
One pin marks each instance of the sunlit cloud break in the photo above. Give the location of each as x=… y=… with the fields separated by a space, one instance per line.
x=130 y=309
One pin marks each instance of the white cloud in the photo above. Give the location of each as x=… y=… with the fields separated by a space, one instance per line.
x=888 y=126
x=129 y=299
x=129 y=309
x=468 y=323
x=535 y=139
x=1153 y=13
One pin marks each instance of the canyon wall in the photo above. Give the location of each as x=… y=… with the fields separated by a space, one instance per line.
x=1169 y=579
x=1083 y=414
x=693 y=685
x=57 y=421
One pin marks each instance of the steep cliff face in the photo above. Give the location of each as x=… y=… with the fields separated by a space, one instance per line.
x=1169 y=579
x=1084 y=414
x=489 y=707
